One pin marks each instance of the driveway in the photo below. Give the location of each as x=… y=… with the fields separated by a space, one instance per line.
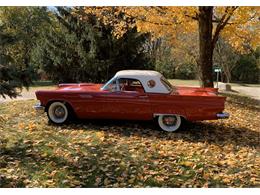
x=252 y=91
x=26 y=94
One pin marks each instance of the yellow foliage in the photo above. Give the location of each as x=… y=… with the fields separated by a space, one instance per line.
x=208 y=154
x=188 y=163
x=171 y=21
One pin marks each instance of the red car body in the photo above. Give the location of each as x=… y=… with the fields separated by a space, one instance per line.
x=88 y=100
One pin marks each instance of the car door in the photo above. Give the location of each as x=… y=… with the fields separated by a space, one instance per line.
x=127 y=104
x=89 y=105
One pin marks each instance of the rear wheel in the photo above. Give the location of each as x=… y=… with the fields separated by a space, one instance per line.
x=58 y=113
x=169 y=123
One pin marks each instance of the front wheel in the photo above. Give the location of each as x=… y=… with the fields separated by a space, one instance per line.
x=58 y=113
x=169 y=123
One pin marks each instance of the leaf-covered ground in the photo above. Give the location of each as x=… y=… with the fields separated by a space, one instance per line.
x=223 y=153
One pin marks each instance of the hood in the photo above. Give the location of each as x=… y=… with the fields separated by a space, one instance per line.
x=79 y=86
x=197 y=91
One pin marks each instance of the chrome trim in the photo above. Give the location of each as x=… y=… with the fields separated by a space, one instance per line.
x=86 y=96
x=223 y=115
x=159 y=114
x=39 y=109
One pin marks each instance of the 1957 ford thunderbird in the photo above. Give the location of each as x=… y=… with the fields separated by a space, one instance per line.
x=132 y=95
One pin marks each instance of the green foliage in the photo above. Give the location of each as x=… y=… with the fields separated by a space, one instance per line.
x=167 y=69
x=19 y=30
x=76 y=50
x=174 y=61
x=159 y=53
x=186 y=71
x=26 y=23
x=11 y=77
x=248 y=68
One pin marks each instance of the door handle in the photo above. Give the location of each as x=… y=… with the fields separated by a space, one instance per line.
x=142 y=96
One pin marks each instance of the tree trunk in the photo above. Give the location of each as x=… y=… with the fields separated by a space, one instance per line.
x=205 y=45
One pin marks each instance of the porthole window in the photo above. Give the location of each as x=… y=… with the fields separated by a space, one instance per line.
x=151 y=83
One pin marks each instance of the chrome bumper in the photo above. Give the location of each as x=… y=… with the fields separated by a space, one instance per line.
x=223 y=115
x=39 y=109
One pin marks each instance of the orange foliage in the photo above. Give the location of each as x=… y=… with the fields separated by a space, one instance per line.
x=241 y=29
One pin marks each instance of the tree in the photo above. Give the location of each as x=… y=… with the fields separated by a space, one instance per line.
x=185 y=53
x=11 y=77
x=236 y=24
x=206 y=44
x=26 y=23
x=19 y=30
x=226 y=57
x=159 y=53
x=247 y=68
x=76 y=50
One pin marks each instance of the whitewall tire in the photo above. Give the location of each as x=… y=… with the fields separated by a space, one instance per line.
x=58 y=112
x=169 y=123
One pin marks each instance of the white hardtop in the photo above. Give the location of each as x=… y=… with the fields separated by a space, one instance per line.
x=144 y=76
x=138 y=73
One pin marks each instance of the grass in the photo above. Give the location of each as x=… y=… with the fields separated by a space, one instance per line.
x=40 y=83
x=34 y=153
x=242 y=100
x=180 y=82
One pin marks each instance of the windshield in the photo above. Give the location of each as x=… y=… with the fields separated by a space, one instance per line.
x=167 y=84
x=110 y=85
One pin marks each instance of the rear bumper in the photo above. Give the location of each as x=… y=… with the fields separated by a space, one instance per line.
x=39 y=109
x=223 y=115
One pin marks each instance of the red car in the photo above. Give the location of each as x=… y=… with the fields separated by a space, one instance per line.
x=132 y=95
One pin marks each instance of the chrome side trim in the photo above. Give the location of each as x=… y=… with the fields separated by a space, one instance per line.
x=223 y=115
x=86 y=96
x=40 y=109
x=159 y=114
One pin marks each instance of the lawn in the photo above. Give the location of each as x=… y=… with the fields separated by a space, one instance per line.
x=223 y=153
x=196 y=83
x=179 y=82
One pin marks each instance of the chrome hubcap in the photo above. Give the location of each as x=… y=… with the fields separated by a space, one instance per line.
x=59 y=112
x=169 y=120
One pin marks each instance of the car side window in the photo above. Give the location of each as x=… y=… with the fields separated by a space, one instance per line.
x=130 y=85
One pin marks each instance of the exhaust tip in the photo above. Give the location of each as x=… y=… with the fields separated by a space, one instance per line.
x=223 y=115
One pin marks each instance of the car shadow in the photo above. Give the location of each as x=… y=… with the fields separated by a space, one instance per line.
x=218 y=133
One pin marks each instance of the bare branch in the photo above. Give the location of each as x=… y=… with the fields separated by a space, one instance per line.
x=222 y=23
